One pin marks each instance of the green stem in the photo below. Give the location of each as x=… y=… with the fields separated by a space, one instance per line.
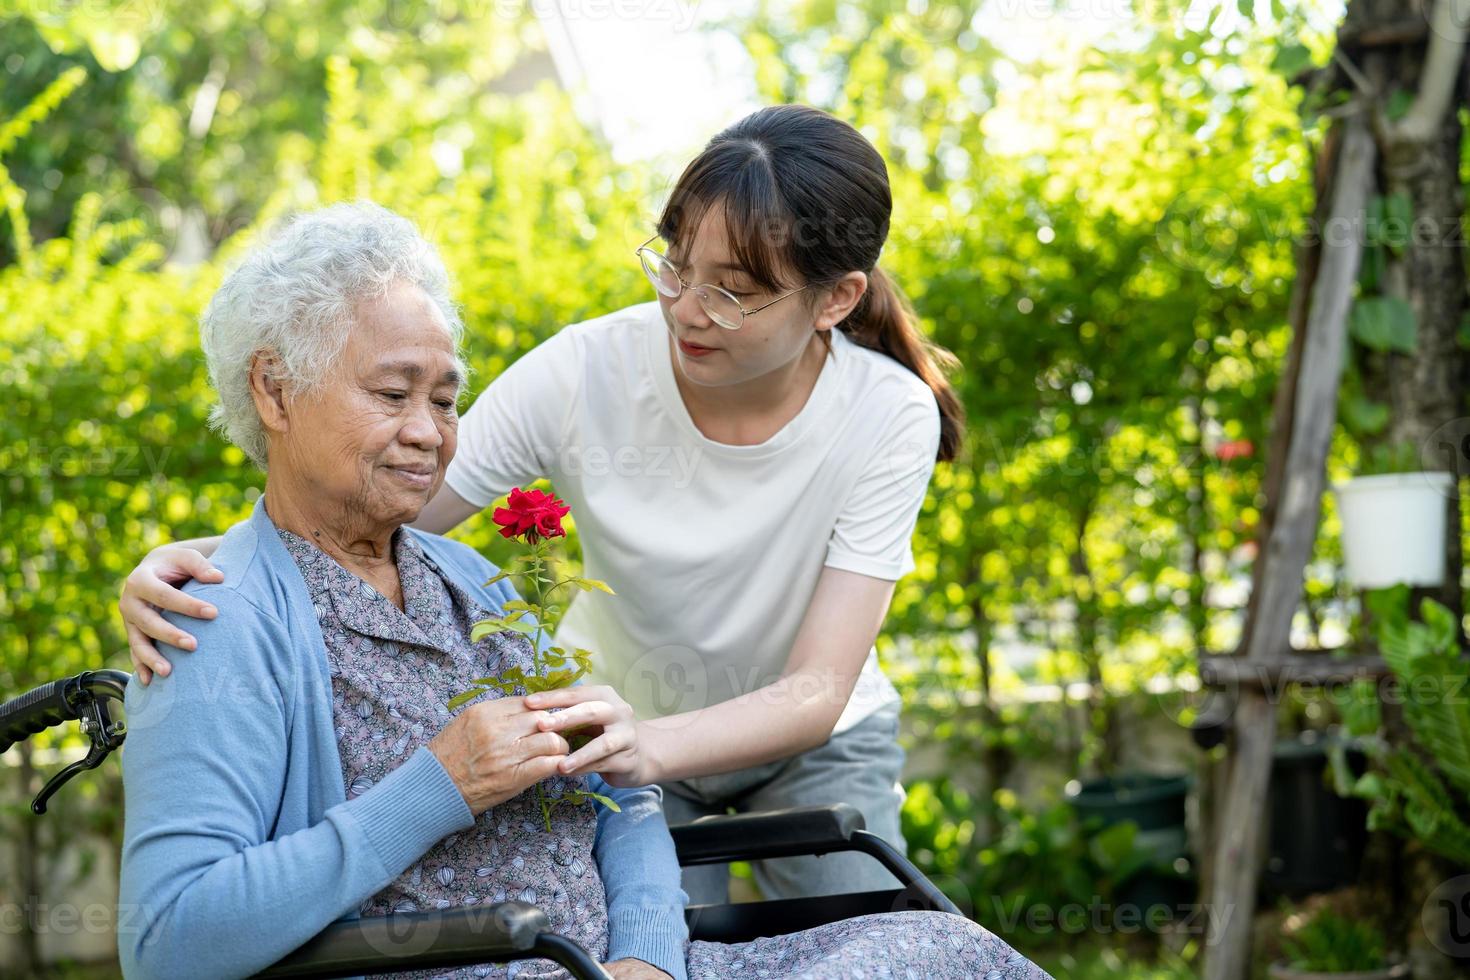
x=539 y=554
x=536 y=583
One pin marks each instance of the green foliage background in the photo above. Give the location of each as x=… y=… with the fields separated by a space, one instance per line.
x=1104 y=237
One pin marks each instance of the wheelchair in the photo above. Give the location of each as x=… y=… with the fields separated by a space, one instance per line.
x=507 y=931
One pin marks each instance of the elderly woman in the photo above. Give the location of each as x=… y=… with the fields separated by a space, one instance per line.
x=303 y=766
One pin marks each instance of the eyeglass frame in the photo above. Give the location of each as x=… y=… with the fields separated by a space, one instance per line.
x=705 y=285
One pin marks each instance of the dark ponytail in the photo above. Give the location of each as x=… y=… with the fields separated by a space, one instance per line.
x=803 y=190
x=884 y=321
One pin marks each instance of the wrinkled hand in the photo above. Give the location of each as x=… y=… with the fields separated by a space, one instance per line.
x=154 y=585
x=599 y=711
x=631 y=969
x=493 y=750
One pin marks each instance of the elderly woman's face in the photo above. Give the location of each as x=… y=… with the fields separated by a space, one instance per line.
x=379 y=435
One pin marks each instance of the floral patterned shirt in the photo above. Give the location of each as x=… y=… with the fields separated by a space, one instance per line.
x=393 y=672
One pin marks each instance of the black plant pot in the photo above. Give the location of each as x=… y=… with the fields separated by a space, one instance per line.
x=1155 y=803
x=1317 y=837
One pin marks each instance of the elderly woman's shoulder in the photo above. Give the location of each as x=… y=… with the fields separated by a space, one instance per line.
x=253 y=574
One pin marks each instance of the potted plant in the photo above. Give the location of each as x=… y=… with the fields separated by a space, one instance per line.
x=1418 y=786
x=1331 y=946
x=1147 y=811
x=1393 y=520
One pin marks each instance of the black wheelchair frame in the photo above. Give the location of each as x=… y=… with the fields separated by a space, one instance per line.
x=507 y=931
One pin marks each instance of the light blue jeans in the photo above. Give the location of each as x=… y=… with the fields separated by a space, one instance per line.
x=860 y=766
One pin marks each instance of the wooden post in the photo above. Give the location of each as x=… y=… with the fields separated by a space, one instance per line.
x=1237 y=856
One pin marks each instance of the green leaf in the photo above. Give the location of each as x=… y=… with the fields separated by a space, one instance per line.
x=511 y=676
x=1291 y=59
x=1363 y=416
x=1401 y=644
x=1375 y=261
x=1388 y=605
x=501 y=626
x=1444 y=632
x=1383 y=323
x=549 y=682
x=1398 y=221
x=1398 y=104
x=116 y=51
x=485 y=627
x=606 y=801
x=1370 y=786
x=1359 y=706
x=1111 y=844
x=464 y=698
x=588 y=584
x=501 y=575
x=518 y=604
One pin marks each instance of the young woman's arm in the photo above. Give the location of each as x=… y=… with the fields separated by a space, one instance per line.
x=444 y=512
x=785 y=718
x=156 y=585
x=869 y=551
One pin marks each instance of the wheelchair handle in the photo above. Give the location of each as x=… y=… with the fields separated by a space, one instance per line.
x=83 y=697
x=56 y=703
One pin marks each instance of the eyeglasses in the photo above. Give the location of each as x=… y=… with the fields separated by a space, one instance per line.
x=719 y=304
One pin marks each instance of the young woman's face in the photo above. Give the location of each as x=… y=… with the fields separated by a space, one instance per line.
x=709 y=354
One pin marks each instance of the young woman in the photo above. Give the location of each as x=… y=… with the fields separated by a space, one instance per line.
x=745 y=459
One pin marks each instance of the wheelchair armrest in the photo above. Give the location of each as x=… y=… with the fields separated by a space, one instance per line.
x=769 y=834
x=803 y=830
x=430 y=940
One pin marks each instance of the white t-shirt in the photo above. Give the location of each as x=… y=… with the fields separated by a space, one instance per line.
x=713 y=550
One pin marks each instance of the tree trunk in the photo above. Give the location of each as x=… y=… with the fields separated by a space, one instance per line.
x=1425 y=387
x=996 y=760
x=1102 y=724
x=27 y=856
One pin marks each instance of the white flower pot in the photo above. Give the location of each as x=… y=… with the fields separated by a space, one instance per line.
x=1393 y=528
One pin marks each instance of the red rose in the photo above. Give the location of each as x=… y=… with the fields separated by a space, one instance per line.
x=531 y=515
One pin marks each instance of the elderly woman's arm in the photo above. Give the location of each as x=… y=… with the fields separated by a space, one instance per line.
x=640 y=870
x=204 y=888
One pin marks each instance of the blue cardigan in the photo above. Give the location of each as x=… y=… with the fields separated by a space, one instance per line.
x=240 y=844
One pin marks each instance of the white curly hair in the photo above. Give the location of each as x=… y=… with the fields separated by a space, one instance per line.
x=295 y=295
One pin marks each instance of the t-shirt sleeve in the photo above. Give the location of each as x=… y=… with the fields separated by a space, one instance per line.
x=875 y=527
x=512 y=434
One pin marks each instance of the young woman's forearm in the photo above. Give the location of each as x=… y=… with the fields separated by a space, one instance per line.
x=791 y=716
x=445 y=511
